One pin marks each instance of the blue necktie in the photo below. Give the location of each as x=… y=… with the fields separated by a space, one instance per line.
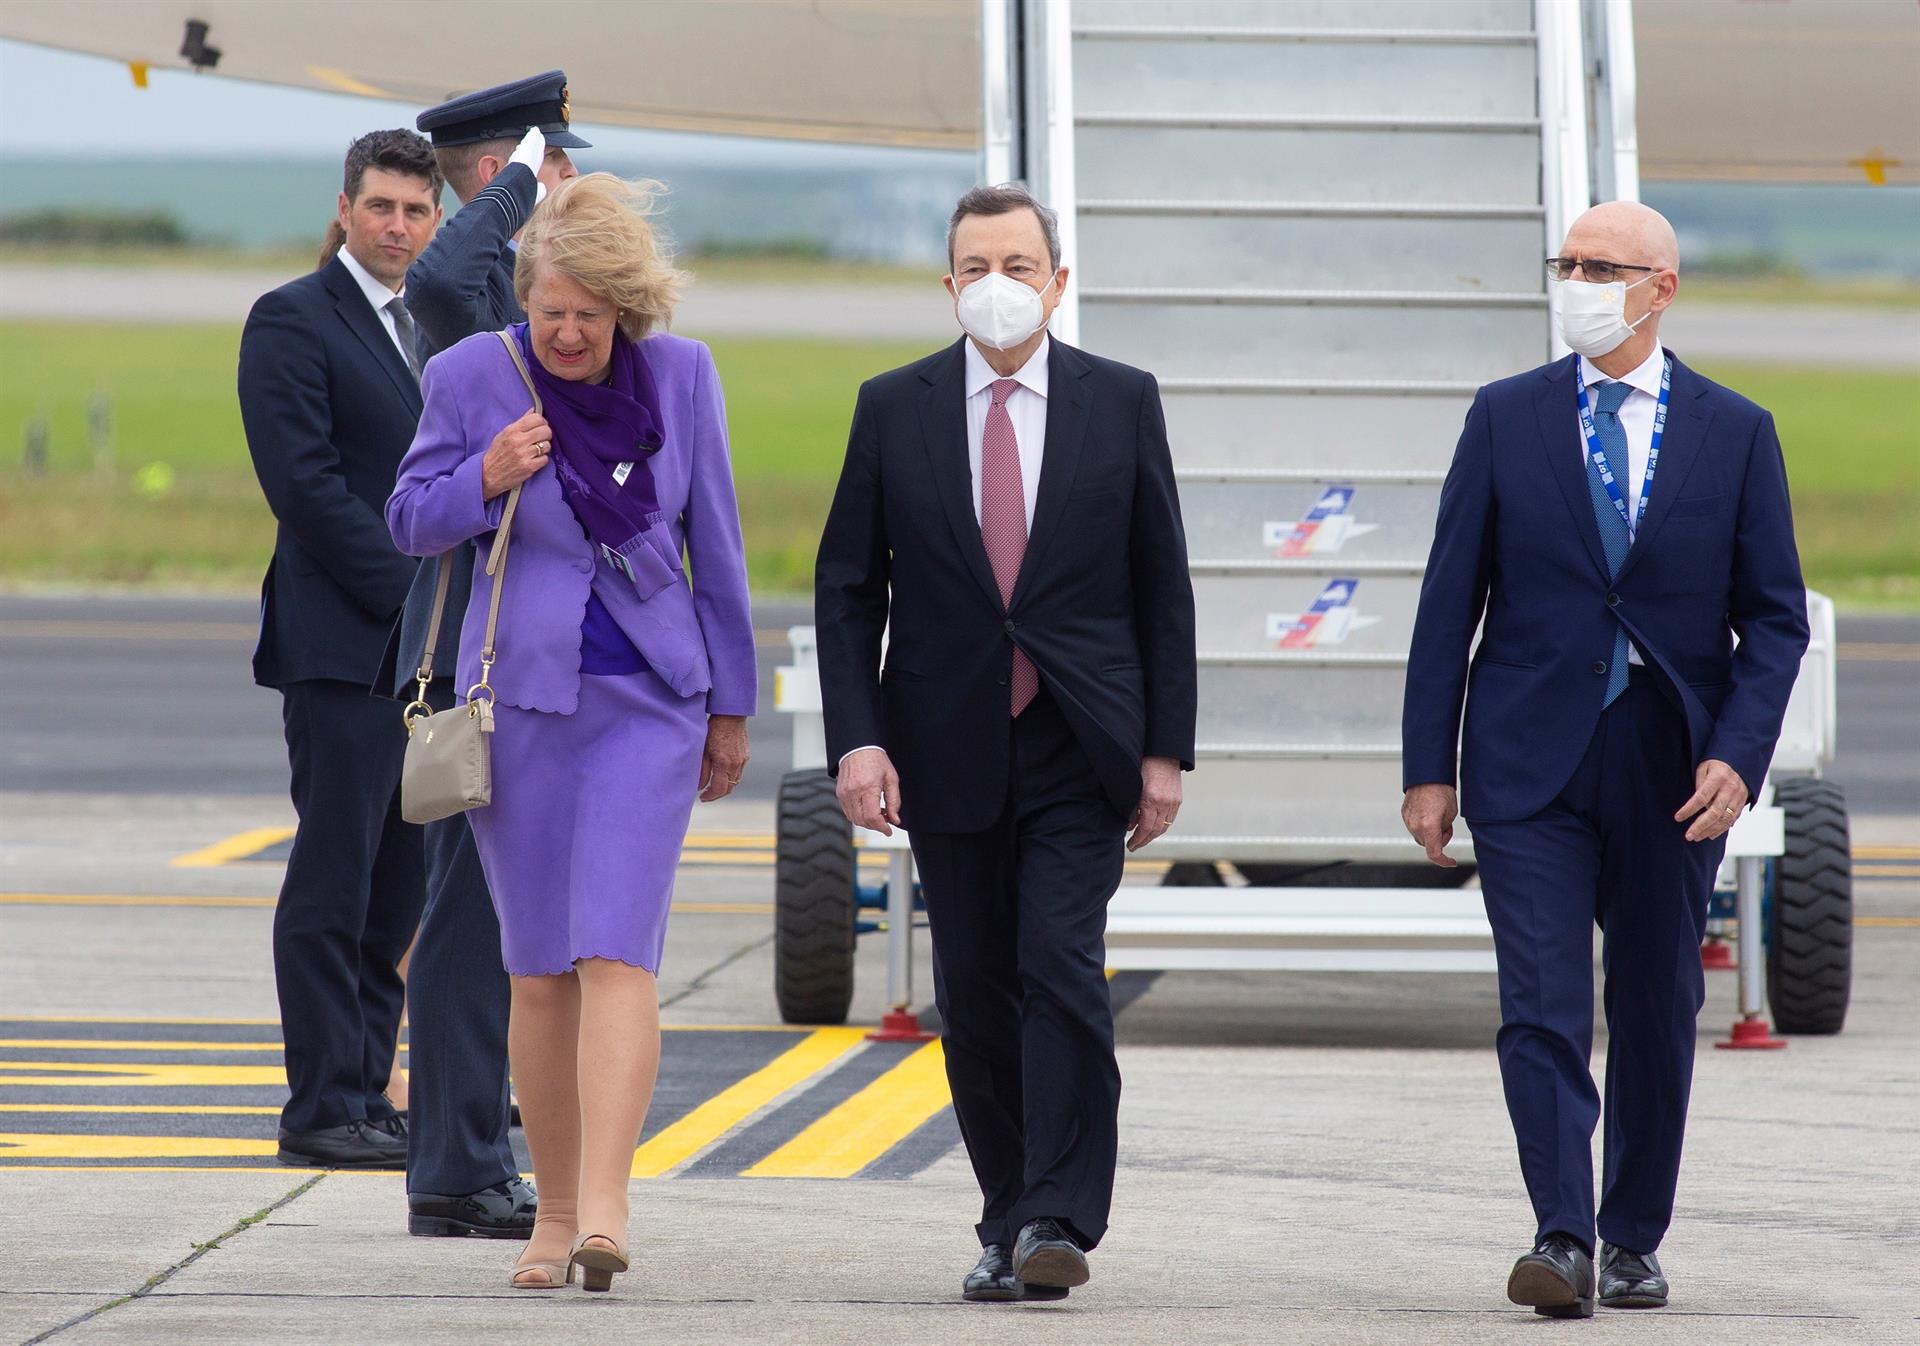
x=1614 y=535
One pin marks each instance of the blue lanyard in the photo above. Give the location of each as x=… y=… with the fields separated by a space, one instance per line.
x=1599 y=455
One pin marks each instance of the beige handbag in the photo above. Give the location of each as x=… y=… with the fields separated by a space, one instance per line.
x=448 y=767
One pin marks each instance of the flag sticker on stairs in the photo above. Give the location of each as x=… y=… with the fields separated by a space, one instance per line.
x=1333 y=617
x=1327 y=527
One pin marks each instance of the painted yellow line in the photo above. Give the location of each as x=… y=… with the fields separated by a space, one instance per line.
x=751 y=841
x=345 y=83
x=1878 y=652
x=1886 y=852
x=126 y=900
x=59 y=1145
x=133 y=1019
x=867 y=1125
x=727 y=1109
x=1890 y=922
x=236 y=847
x=173 y=1109
x=137 y=1045
x=279 y=1169
x=126 y=1074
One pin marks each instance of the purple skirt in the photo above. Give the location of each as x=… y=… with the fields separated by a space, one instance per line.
x=582 y=840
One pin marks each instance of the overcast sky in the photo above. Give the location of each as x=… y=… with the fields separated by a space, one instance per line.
x=55 y=102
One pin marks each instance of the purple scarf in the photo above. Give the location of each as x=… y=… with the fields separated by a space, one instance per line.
x=596 y=428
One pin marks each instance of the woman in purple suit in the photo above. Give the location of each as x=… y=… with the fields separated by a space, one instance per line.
x=622 y=690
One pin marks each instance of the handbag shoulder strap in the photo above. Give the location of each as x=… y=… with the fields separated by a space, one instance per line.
x=496 y=562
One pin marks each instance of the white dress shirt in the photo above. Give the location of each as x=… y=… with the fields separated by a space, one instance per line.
x=379 y=294
x=1026 y=407
x=1636 y=422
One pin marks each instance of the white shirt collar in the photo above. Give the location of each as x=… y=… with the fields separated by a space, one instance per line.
x=1645 y=377
x=1032 y=375
x=374 y=289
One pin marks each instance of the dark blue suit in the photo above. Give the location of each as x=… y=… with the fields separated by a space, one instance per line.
x=458 y=990
x=329 y=407
x=1571 y=807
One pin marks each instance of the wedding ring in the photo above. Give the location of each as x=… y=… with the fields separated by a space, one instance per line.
x=543 y=448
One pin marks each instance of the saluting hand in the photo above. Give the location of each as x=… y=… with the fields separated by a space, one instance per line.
x=1718 y=796
x=516 y=453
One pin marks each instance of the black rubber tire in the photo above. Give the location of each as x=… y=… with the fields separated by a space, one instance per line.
x=1352 y=874
x=1810 y=928
x=1192 y=874
x=814 y=902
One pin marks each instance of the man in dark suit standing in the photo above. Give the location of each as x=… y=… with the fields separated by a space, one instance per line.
x=329 y=394
x=1008 y=508
x=501 y=150
x=1618 y=520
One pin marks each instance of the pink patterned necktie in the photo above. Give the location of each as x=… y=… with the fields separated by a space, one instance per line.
x=1003 y=520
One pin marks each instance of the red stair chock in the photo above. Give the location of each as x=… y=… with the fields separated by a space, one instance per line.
x=1716 y=955
x=900 y=1025
x=1751 y=1032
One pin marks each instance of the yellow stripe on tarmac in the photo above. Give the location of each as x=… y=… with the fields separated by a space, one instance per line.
x=135 y=1045
x=171 y=1110
x=124 y=1075
x=717 y=1116
x=38 y=1145
x=1893 y=922
x=126 y=900
x=1886 y=852
x=867 y=1125
x=236 y=847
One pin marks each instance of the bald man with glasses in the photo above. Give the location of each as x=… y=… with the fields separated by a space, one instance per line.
x=1616 y=521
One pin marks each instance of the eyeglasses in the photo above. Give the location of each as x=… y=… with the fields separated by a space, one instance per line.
x=1595 y=270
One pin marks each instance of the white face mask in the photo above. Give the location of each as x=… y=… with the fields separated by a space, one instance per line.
x=999 y=311
x=1592 y=319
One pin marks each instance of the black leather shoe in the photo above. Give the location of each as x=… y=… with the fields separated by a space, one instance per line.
x=992 y=1281
x=1555 y=1280
x=1630 y=1280
x=395 y=1125
x=1045 y=1255
x=355 y=1145
x=503 y=1211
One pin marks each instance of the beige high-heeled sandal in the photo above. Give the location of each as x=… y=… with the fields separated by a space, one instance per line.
x=558 y=1274
x=599 y=1264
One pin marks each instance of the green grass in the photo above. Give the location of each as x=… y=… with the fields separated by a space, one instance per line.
x=1853 y=465
x=171 y=393
x=1853 y=456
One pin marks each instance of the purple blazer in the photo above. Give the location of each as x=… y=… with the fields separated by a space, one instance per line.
x=699 y=639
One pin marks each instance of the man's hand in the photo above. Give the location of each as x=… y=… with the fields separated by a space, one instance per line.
x=869 y=790
x=1718 y=796
x=1429 y=811
x=532 y=151
x=516 y=453
x=1159 y=800
x=725 y=758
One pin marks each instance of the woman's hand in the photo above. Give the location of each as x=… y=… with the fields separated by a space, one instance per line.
x=516 y=453
x=726 y=756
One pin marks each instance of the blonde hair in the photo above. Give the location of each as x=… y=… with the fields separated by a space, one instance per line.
x=596 y=231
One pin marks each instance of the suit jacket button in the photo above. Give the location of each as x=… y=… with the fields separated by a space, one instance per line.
x=1009 y=627
x=1613 y=600
x=1599 y=665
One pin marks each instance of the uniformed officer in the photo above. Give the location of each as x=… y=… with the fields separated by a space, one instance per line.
x=501 y=150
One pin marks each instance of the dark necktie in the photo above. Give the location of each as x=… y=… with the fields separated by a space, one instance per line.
x=1615 y=536
x=1003 y=521
x=409 y=337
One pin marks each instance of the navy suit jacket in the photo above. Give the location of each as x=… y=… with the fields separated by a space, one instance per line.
x=461 y=284
x=1517 y=541
x=329 y=408
x=1102 y=606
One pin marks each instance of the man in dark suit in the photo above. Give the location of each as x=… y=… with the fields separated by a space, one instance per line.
x=501 y=149
x=329 y=394
x=1618 y=520
x=1008 y=508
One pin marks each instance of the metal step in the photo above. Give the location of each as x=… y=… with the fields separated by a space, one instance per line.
x=1302 y=161
x=1489 y=37
x=1348 y=15
x=1186 y=73
x=1277 y=121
